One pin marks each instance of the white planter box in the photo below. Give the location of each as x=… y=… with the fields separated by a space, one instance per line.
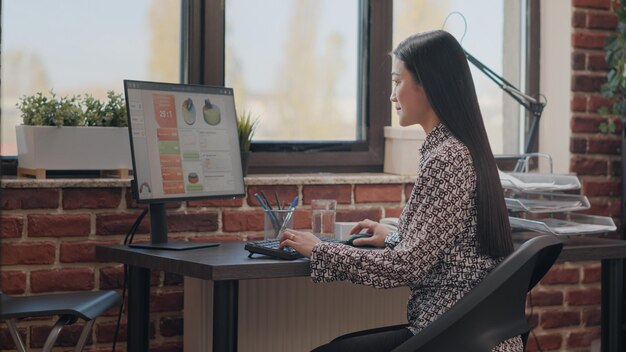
x=73 y=148
x=402 y=149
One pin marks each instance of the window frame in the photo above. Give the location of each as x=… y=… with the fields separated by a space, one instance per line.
x=204 y=27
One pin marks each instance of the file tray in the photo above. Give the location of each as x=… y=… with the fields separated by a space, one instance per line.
x=543 y=202
x=567 y=224
x=521 y=181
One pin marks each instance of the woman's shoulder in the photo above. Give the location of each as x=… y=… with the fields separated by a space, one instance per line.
x=454 y=152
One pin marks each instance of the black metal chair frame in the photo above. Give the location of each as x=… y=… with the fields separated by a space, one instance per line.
x=494 y=310
x=67 y=306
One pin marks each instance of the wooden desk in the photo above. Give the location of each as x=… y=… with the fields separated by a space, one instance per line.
x=227 y=264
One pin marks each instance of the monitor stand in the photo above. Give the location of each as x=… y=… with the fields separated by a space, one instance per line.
x=158 y=233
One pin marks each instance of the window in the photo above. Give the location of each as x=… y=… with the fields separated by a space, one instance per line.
x=83 y=47
x=485 y=37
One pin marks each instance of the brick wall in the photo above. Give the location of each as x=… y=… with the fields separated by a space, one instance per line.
x=49 y=235
x=595 y=156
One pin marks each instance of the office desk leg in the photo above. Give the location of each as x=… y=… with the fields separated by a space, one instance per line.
x=612 y=305
x=225 y=310
x=138 y=336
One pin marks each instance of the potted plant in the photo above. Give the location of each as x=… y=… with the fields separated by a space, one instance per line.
x=246 y=126
x=57 y=134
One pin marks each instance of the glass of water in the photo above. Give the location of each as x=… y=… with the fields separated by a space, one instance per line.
x=323 y=214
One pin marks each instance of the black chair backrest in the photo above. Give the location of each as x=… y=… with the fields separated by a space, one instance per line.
x=494 y=310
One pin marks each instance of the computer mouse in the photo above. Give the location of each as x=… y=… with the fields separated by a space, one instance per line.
x=350 y=240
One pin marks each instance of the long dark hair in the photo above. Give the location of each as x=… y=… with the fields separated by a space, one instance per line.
x=437 y=62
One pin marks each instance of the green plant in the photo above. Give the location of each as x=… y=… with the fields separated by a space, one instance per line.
x=615 y=86
x=40 y=110
x=246 y=126
x=111 y=114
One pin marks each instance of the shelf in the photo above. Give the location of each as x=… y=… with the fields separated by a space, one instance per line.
x=542 y=202
x=566 y=224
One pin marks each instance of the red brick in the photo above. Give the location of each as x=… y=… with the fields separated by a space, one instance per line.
x=588 y=40
x=27 y=253
x=615 y=169
x=599 y=207
x=29 y=199
x=601 y=20
x=583 y=297
x=587 y=83
x=578 y=145
x=12 y=226
x=578 y=103
x=408 y=189
x=285 y=194
x=578 y=61
x=171 y=326
x=111 y=277
x=549 y=342
x=611 y=146
x=131 y=203
x=170 y=301
x=596 y=102
x=592 y=275
x=61 y=225
x=579 y=19
x=557 y=319
x=559 y=275
x=585 y=124
x=106 y=331
x=13 y=282
x=601 y=187
x=170 y=346
x=341 y=193
x=79 y=251
x=236 y=221
x=592 y=316
x=95 y=198
x=79 y=279
x=532 y=319
x=393 y=212
x=377 y=193
x=120 y=223
x=6 y=341
x=352 y=215
x=583 y=338
x=171 y=279
x=586 y=166
x=234 y=202
x=546 y=298
x=597 y=62
x=192 y=222
x=594 y=4
x=67 y=338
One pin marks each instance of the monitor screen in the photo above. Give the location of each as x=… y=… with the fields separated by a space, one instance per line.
x=184 y=141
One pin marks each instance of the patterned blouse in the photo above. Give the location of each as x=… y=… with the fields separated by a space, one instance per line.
x=435 y=250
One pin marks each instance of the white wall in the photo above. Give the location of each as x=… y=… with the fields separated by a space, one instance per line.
x=555 y=71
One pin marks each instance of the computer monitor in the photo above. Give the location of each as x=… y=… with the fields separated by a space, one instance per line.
x=184 y=146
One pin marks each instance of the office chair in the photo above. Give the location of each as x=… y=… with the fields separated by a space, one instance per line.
x=494 y=310
x=68 y=306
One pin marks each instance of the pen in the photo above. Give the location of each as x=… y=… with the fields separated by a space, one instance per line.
x=277 y=201
x=292 y=206
x=266 y=201
x=273 y=219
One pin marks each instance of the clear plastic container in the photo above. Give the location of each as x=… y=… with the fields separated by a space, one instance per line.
x=543 y=202
x=566 y=224
x=521 y=181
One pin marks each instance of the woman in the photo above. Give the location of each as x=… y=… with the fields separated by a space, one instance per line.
x=454 y=228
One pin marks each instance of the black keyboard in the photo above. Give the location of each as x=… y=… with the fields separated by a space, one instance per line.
x=270 y=248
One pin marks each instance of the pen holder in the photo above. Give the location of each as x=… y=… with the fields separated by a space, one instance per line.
x=276 y=221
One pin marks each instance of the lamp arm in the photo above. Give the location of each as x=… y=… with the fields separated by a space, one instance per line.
x=535 y=106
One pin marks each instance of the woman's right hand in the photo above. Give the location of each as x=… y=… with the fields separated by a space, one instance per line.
x=379 y=233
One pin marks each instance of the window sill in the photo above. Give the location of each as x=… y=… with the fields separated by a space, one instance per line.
x=251 y=180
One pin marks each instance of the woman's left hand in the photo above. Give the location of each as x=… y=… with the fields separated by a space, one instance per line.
x=303 y=242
